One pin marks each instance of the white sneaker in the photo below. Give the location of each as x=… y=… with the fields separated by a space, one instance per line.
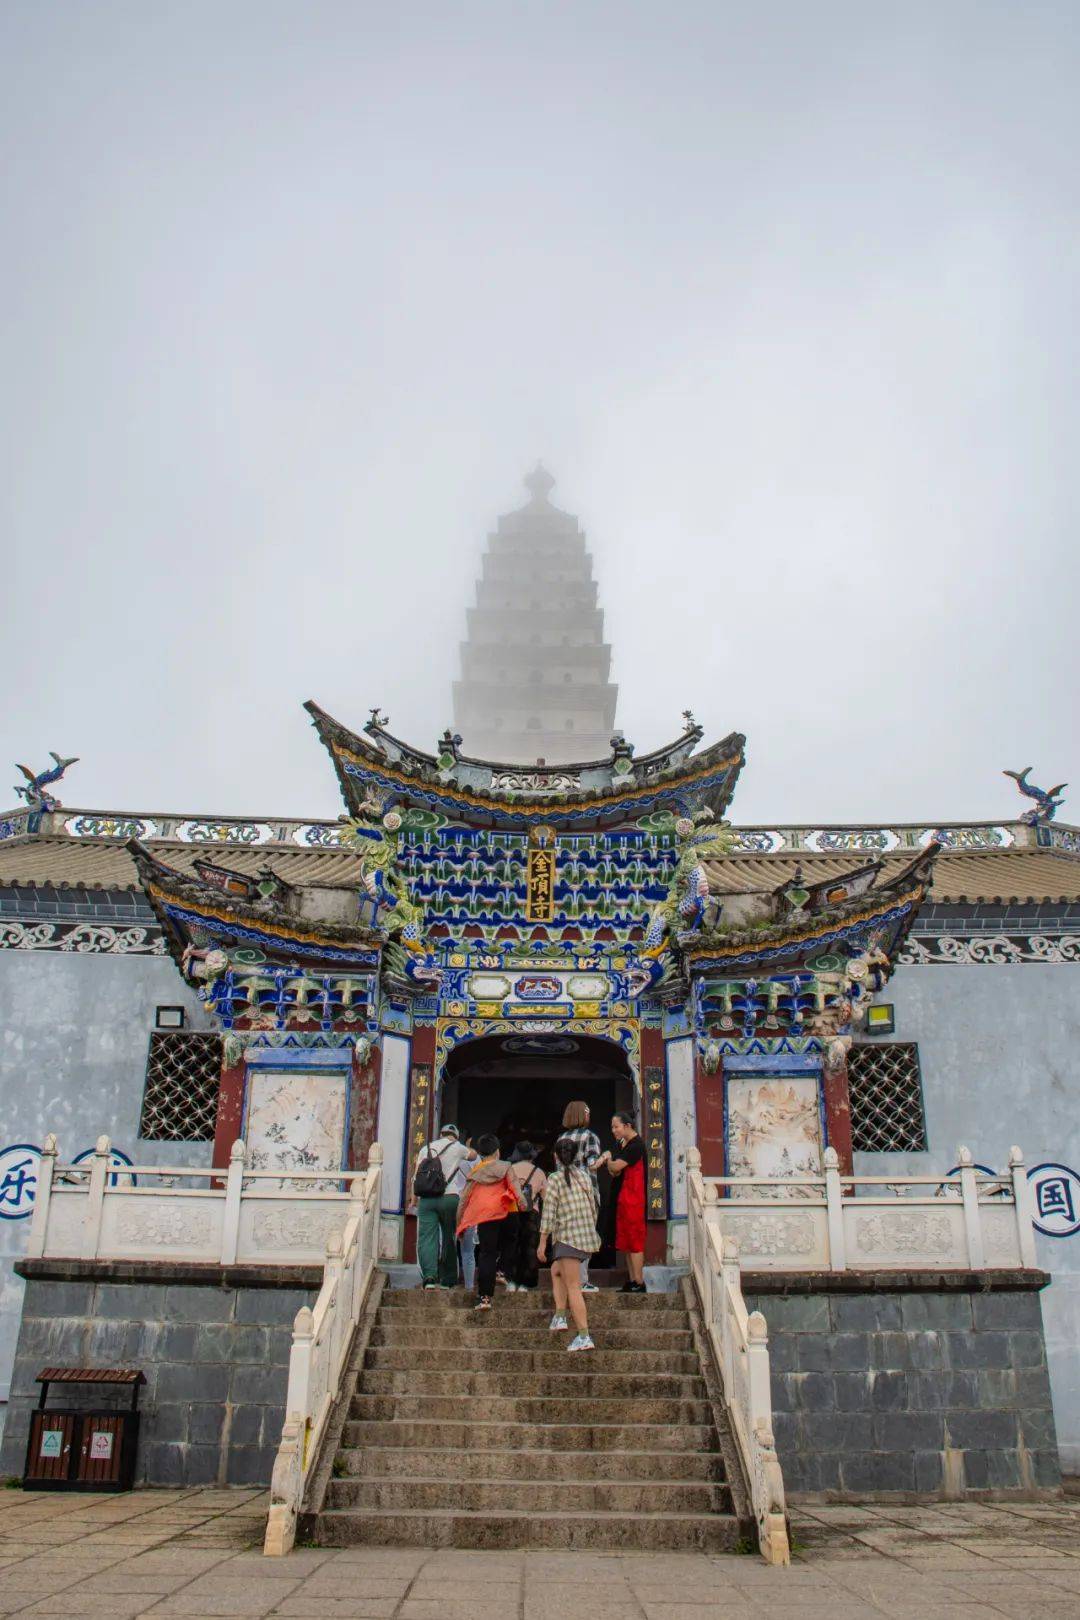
x=590 y=1288
x=511 y=1288
x=557 y=1323
x=581 y=1342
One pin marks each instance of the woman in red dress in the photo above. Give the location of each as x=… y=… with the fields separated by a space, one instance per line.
x=627 y=1166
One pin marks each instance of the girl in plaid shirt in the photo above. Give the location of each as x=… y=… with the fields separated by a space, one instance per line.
x=587 y=1155
x=569 y=1224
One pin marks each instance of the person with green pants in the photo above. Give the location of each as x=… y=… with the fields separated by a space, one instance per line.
x=435 y=1184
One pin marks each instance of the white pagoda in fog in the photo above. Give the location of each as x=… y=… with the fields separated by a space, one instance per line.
x=534 y=667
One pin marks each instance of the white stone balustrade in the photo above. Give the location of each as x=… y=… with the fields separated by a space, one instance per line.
x=322 y=1344
x=214 y=1217
x=836 y=1222
x=740 y=1344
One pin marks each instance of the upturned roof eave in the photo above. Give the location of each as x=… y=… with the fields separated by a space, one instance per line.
x=793 y=938
x=165 y=888
x=420 y=779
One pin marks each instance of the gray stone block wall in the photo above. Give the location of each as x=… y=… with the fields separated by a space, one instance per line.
x=215 y=1358
x=924 y=1393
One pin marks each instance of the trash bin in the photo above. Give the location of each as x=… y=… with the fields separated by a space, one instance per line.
x=74 y=1449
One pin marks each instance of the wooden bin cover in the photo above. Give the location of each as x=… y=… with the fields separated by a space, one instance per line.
x=90 y=1375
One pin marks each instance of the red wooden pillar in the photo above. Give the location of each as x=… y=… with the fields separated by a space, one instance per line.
x=230 y=1109
x=709 y=1103
x=838 y=1114
x=364 y=1083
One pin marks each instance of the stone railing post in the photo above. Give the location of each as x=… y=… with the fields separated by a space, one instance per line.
x=234 y=1188
x=730 y=1286
x=333 y=1270
x=969 y=1191
x=298 y=1392
x=757 y=1356
x=1022 y=1204
x=39 y=1220
x=95 y=1203
x=834 y=1211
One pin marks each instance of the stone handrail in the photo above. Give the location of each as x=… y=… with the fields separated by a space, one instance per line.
x=740 y=1344
x=322 y=1341
x=105 y=1210
x=973 y=1221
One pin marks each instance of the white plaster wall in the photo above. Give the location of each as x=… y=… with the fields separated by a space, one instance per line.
x=999 y=1048
x=393 y=1098
x=74 y=1033
x=682 y=1118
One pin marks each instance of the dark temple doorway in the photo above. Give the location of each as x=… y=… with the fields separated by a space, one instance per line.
x=517 y=1086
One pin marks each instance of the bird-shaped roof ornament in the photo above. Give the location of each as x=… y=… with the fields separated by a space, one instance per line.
x=1048 y=801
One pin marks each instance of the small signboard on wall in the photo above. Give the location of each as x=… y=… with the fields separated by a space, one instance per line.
x=540 y=891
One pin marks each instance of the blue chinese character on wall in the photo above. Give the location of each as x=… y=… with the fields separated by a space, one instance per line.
x=18 y=1180
x=1057 y=1199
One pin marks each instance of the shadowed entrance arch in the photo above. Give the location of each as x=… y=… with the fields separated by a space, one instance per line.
x=517 y=1086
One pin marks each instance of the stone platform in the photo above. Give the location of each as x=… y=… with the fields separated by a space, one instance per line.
x=911 y=1384
x=173 y=1552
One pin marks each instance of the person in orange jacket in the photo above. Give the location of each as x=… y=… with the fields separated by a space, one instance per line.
x=491 y=1194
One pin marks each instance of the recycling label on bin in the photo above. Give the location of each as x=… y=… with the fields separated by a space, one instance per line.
x=100 y=1447
x=52 y=1442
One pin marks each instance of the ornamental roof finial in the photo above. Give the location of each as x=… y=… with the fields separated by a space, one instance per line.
x=539 y=483
x=1047 y=800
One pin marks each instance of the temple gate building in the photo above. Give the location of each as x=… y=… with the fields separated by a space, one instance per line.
x=532 y=911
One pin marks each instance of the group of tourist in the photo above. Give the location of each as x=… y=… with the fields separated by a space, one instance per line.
x=500 y=1219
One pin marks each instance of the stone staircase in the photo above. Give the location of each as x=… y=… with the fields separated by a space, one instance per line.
x=474 y=1429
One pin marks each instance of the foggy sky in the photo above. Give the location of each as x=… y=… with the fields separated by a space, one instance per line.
x=291 y=297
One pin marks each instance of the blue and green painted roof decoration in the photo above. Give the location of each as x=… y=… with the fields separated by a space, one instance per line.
x=583 y=797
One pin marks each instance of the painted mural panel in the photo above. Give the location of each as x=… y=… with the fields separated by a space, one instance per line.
x=773 y=1126
x=296 y=1120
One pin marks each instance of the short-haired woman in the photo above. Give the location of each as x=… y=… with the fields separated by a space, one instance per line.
x=490 y=1195
x=569 y=1225
x=627 y=1165
x=587 y=1156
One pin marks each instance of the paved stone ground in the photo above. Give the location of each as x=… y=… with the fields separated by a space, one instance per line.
x=195 y=1553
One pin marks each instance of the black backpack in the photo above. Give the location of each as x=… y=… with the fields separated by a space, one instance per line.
x=430 y=1178
x=527 y=1192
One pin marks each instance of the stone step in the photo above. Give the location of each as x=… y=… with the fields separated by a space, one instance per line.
x=399 y=1329
x=440 y=1301
x=533 y=1408
x=573 y=1382
x=548 y=1355
x=460 y=1435
x=527 y=1496
x=635 y=1532
x=373 y=1460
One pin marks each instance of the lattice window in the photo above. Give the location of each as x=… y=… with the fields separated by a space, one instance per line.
x=181 y=1093
x=886 y=1098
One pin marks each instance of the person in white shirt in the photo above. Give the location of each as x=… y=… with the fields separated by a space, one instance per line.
x=436 y=1244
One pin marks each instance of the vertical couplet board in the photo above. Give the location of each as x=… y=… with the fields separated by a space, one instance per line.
x=654 y=1124
x=419 y=1114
